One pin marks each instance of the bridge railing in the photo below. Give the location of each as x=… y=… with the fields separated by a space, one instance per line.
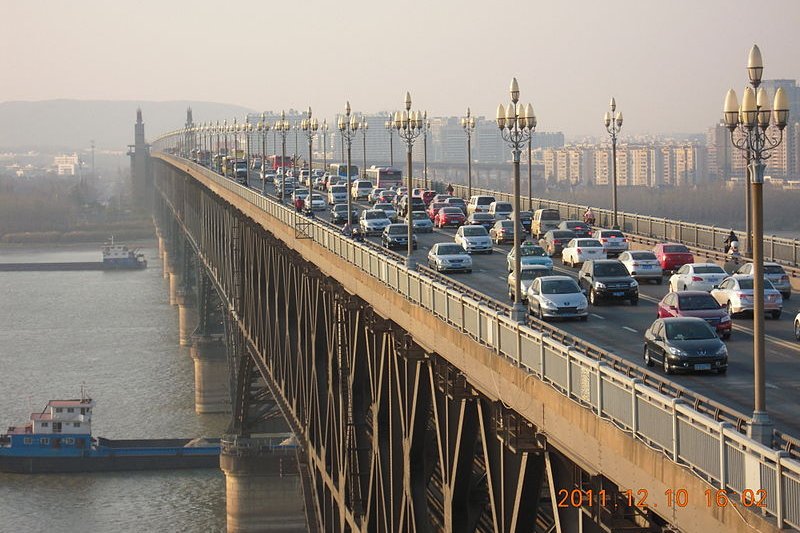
x=777 y=249
x=713 y=449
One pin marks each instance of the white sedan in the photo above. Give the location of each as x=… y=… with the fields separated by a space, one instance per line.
x=697 y=277
x=557 y=297
x=642 y=264
x=317 y=202
x=446 y=256
x=474 y=239
x=388 y=209
x=736 y=294
x=373 y=221
x=579 y=250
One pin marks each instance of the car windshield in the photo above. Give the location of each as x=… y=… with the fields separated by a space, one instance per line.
x=686 y=331
x=610 y=269
x=507 y=224
x=589 y=243
x=457 y=201
x=451 y=249
x=503 y=207
x=340 y=208
x=533 y=273
x=643 y=256
x=611 y=234
x=773 y=269
x=676 y=249
x=417 y=215
x=697 y=302
x=747 y=284
x=477 y=217
x=478 y=231
x=563 y=234
x=549 y=214
x=374 y=215
x=485 y=200
x=532 y=251
x=398 y=229
x=437 y=205
x=451 y=210
x=575 y=225
x=560 y=286
x=709 y=269
x=384 y=207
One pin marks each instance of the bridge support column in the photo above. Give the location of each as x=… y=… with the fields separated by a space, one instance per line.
x=211 y=384
x=165 y=259
x=187 y=316
x=175 y=283
x=262 y=487
x=161 y=246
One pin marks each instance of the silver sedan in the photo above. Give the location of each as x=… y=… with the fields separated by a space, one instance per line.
x=736 y=294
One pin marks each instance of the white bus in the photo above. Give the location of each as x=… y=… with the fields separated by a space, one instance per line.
x=384 y=177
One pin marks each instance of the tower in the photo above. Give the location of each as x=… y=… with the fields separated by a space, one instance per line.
x=141 y=177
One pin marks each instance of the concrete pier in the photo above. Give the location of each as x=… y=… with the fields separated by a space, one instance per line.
x=262 y=485
x=175 y=283
x=187 y=317
x=161 y=246
x=165 y=262
x=211 y=383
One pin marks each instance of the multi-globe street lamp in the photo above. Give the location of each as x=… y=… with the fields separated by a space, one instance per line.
x=296 y=148
x=756 y=125
x=364 y=125
x=389 y=124
x=348 y=126
x=426 y=124
x=613 y=124
x=468 y=123
x=309 y=126
x=517 y=122
x=263 y=129
x=324 y=129
x=409 y=126
x=282 y=127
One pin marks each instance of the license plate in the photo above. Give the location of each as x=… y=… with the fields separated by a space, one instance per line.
x=702 y=366
x=646 y=267
x=617 y=293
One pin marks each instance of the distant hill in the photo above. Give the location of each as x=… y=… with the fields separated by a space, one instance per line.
x=72 y=124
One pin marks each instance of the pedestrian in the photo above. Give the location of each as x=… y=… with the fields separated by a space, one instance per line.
x=450 y=189
x=298 y=204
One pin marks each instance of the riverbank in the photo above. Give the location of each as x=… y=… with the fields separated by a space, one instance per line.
x=101 y=235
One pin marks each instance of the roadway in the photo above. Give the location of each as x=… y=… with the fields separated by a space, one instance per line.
x=619 y=328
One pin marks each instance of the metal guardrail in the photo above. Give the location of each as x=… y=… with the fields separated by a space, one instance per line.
x=696 y=435
x=777 y=249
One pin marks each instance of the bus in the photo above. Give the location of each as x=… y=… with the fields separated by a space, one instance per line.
x=277 y=161
x=339 y=169
x=384 y=177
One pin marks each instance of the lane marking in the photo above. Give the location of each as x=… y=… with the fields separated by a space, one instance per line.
x=630 y=329
x=598 y=316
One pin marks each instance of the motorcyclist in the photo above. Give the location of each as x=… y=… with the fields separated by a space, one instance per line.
x=729 y=240
x=588 y=216
x=733 y=258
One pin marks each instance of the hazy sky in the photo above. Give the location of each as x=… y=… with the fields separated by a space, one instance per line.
x=667 y=62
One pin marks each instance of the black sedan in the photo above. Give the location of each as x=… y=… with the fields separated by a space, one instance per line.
x=396 y=236
x=339 y=214
x=685 y=343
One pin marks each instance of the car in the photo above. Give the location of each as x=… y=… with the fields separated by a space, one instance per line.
x=684 y=343
x=360 y=189
x=697 y=277
x=396 y=236
x=544 y=220
x=642 y=265
x=448 y=256
x=525 y=218
x=317 y=202
x=300 y=192
x=605 y=279
x=578 y=251
x=579 y=228
x=484 y=219
x=319 y=183
x=339 y=214
x=478 y=203
x=269 y=177
x=456 y=202
x=501 y=210
x=698 y=304
x=433 y=208
x=422 y=224
x=502 y=231
x=374 y=194
x=388 y=209
x=529 y=254
x=557 y=297
x=417 y=191
x=373 y=221
x=554 y=240
x=672 y=255
x=613 y=240
x=441 y=197
x=736 y=294
x=474 y=239
x=427 y=196
x=337 y=194
x=797 y=327
x=529 y=274
x=775 y=274
x=416 y=205
x=449 y=216
x=387 y=196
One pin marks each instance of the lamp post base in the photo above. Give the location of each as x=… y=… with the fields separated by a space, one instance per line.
x=519 y=313
x=411 y=263
x=760 y=428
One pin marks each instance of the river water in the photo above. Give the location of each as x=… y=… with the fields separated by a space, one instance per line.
x=116 y=333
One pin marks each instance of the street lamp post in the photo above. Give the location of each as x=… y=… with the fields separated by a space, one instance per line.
x=753 y=120
x=364 y=127
x=263 y=128
x=517 y=123
x=309 y=127
x=468 y=123
x=348 y=126
x=389 y=124
x=409 y=126
x=613 y=125
x=530 y=175
x=296 y=149
x=324 y=130
x=282 y=127
x=223 y=162
x=426 y=124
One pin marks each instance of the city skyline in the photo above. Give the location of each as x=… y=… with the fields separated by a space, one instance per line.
x=668 y=66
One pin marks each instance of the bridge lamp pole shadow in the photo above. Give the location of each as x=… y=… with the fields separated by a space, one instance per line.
x=309 y=126
x=517 y=122
x=348 y=126
x=263 y=128
x=282 y=127
x=756 y=125
x=468 y=123
x=613 y=124
x=409 y=125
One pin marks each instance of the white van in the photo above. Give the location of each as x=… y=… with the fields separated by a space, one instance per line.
x=360 y=189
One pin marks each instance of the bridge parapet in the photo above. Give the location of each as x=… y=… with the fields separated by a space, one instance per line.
x=718 y=453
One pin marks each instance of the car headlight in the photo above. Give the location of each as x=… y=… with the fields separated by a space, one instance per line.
x=548 y=304
x=634 y=283
x=724 y=319
x=599 y=285
x=675 y=351
x=723 y=350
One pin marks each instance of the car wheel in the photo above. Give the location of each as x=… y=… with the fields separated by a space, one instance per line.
x=584 y=318
x=593 y=299
x=490 y=251
x=797 y=330
x=469 y=271
x=667 y=368
x=635 y=300
x=647 y=360
x=776 y=315
x=726 y=336
x=729 y=309
x=659 y=281
x=786 y=295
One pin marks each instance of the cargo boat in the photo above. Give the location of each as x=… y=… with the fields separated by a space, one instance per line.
x=120 y=256
x=59 y=439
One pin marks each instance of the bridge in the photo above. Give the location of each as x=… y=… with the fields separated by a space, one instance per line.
x=418 y=405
